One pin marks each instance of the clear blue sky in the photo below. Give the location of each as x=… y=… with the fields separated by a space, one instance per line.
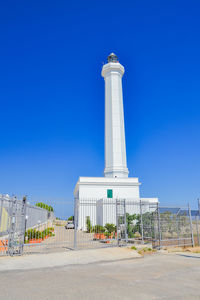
x=52 y=95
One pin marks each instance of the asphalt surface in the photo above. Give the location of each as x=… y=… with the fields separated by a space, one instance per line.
x=156 y=276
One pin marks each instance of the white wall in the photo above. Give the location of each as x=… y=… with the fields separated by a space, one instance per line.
x=91 y=193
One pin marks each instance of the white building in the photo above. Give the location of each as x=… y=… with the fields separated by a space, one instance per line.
x=115 y=184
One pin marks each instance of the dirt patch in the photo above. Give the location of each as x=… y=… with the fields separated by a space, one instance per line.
x=175 y=249
x=146 y=250
x=183 y=249
x=143 y=250
x=193 y=249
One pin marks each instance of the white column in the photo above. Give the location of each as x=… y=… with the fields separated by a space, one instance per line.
x=115 y=148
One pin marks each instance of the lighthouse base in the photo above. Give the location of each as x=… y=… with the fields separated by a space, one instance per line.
x=97 y=196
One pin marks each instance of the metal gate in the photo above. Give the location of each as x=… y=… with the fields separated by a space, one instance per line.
x=173 y=226
x=95 y=223
x=47 y=227
x=12 y=225
x=17 y=226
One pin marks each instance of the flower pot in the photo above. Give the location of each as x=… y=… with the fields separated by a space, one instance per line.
x=102 y=236
x=32 y=241
x=3 y=248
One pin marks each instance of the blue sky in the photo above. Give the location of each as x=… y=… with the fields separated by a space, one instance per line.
x=52 y=95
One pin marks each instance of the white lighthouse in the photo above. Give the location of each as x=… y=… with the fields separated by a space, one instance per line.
x=115 y=147
x=115 y=184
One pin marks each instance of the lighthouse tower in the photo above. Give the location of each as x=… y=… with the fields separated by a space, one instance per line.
x=115 y=147
x=115 y=184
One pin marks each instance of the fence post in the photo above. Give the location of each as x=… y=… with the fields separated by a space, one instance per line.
x=117 y=225
x=75 y=223
x=12 y=211
x=191 y=227
x=23 y=228
x=125 y=223
x=177 y=226
x=155 y=217
x=197 y=227
x=159 y=226
x=152 y=231
x=197 y=222
x=141 y=222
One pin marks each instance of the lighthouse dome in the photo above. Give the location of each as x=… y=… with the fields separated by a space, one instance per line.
x=112 y=58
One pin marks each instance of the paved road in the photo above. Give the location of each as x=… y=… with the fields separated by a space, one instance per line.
x=159 y=276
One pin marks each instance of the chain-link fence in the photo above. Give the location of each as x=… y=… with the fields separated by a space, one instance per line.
x=93 y=223
x=136 y=221
x=164 y=226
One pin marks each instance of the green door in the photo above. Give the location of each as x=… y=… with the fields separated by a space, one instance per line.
x=109 y=193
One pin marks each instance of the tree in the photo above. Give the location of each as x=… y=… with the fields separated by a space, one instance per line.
x=130 y=224
x=71 y=218
x=148 y=220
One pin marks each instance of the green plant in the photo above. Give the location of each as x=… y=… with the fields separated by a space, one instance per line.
x=130 y=226
x=31 y=234
x=110 y=227
x=88 y=224
x=133 y=248
x=36 y=234
x=146 y=250
x=107 y=234
x=98 y=229
x=71 y=218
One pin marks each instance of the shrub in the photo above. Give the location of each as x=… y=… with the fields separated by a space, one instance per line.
x=146 y=250
x=110 y=227
x=98 y=229
x=133 y=248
